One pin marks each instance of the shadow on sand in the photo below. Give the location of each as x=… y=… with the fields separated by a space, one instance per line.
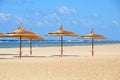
x=51 y=56
x=8 y=54
x=31 y=56
x=47 y=56
x=5 y=58
x=66 y=56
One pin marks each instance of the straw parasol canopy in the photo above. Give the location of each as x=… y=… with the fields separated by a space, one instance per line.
x=93 y=36
x=62 y=32
x=2 y=35
x=22 y=33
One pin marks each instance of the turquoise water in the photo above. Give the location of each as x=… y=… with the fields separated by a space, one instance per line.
x=51 y=43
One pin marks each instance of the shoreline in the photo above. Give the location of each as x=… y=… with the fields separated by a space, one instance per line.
x=66 y=45
x=52 y=44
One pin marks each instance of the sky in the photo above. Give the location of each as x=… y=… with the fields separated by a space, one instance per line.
x=44 y=16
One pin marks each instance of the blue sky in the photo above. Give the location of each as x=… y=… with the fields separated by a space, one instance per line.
x=80 y=16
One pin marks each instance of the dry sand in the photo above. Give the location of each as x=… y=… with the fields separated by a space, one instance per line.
x=46 y=64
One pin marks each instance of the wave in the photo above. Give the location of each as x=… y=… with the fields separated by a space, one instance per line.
x=1 y=41
x=60 y=41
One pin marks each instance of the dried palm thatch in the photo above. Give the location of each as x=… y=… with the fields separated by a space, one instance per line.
x=2 y=35
x=22 y=33
x=62 y=32
x=93 y=36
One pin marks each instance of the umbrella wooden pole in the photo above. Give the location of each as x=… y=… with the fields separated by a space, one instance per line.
x=61 y=46
x=92 y=47
x=20 y=47
x=30 y=46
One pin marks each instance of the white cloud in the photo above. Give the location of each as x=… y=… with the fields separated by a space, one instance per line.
x=53 y=16
x=39 y=23
x=38 y=20
x=74 y=21
x=37 y=14
x=84 y=21
x=51 y=19
x=95 y=15
x=19 y=19
x=87 y=22
x=66 y=10
x=17 y=2
x=115 y=22
x=10 y=18
x=4 y=16
x=24 y=1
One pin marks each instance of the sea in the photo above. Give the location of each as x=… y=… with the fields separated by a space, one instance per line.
x=53 y=43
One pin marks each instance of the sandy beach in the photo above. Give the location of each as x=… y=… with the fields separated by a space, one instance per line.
x=46 y=63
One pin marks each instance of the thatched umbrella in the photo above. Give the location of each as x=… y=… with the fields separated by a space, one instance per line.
x=61 y=32
x=2 y=35
x=22 y=33
x=93 y=36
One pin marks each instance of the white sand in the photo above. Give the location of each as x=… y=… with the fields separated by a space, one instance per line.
x=77 y=64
